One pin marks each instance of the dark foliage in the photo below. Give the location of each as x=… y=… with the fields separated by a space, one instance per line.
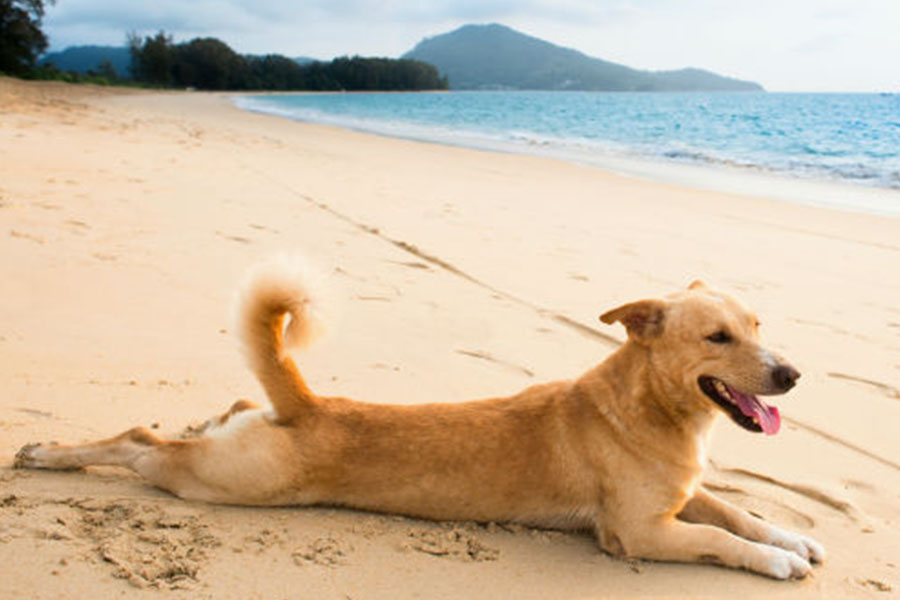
x=21 y=38
x=152 y=59
x=384 y=74
x=274 y=72
x=209 y=64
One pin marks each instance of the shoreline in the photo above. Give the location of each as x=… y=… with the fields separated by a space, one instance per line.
x=730 y=179
x=127 y=220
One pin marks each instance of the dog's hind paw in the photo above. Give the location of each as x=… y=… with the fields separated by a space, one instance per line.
x=25 y=457
x=40 y=456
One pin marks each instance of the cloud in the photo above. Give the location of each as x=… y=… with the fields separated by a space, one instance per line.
x=203 y=15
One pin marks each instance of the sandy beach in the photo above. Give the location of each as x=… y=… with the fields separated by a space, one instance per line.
x=128 y=218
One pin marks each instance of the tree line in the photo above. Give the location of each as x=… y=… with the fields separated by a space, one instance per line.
x=205 y=63
x=210 y=64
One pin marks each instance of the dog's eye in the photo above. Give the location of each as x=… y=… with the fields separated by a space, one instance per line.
x=719 y=337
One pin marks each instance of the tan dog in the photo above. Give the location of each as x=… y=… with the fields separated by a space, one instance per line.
x=620 y=450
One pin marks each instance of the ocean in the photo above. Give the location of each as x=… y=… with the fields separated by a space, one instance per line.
x=837 y=150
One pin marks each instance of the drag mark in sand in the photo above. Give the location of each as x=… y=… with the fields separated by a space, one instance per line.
x=412 y=264
x=841 y=442
x=807 y=232
x=842 y=506
x=34 y=412
x=480 y=354
x=889 y=390
x=26 y=236
x=436 y=261
x=233 y=238
x=581 y=328
x=800 y=518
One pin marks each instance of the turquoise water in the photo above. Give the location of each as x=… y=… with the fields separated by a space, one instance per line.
x=846 y=138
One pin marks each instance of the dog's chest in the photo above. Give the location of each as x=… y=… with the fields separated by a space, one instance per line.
x=700 y=456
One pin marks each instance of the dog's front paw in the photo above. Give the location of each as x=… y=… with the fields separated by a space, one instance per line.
x=25 y=458
x=815 y=550
x=787 y=565
x=803 y=546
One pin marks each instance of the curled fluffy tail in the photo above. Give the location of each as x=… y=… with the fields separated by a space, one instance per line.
x=279 y=290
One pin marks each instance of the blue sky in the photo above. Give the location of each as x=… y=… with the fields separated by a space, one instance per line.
x=790 y=45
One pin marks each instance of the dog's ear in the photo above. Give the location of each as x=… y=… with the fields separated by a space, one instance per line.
x=644 y=319
x=698 y=284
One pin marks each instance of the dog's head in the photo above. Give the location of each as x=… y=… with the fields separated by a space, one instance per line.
x=706 y=344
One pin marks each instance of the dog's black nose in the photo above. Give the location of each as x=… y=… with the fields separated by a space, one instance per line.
x=785 y=377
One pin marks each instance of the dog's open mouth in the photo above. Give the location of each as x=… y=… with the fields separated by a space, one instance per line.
x=746 y=410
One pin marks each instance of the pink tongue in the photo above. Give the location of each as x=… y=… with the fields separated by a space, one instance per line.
x=751 y=406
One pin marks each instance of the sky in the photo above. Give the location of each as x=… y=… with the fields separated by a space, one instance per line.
x=786 y=45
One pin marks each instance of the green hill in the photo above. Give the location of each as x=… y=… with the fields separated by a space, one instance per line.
x=82 y=59
x=497 y=57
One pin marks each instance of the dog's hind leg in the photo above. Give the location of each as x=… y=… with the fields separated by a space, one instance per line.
x=706 y=508
x=220 y=420
x=165 y=463
x=245 y=460
x=130 y=449
x=238 y=407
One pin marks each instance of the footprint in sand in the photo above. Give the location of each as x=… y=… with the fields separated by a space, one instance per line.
x=455 y=543
x=264 y=540
x=323 y=551
x=875 y=584
x=144 y=544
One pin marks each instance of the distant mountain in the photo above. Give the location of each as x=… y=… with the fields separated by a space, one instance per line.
x=82 y=59
x=497 y=57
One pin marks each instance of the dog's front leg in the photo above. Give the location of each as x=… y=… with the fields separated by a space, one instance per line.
x=670 y=539
x=706 y=508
